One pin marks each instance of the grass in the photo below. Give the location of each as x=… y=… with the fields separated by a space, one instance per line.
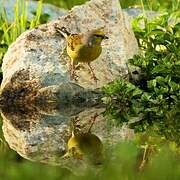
x=9 y=31
x=156 y=5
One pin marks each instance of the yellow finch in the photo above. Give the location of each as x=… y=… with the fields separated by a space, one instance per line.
x=83 y=48
x=85 y=145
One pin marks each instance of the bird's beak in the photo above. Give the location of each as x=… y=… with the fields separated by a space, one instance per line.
x=106 y=37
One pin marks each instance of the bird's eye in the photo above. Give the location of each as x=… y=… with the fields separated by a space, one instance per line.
x=98 y=35
x=101 y=36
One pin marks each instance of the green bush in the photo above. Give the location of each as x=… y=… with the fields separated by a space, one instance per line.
x=155 y=98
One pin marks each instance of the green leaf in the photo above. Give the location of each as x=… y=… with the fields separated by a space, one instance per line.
x=159 y=69
x=3 y=48
x=137 y=92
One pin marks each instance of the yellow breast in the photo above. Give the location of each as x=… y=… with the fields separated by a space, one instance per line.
x=83 y=53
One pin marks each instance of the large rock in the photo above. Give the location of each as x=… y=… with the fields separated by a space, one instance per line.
x=34 y=61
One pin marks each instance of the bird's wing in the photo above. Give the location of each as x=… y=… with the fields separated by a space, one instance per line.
x=74 y=40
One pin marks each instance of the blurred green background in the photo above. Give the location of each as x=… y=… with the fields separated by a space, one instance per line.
x=148 y=4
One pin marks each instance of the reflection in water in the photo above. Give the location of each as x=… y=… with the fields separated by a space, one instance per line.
x=85 y=145
x=44 y=133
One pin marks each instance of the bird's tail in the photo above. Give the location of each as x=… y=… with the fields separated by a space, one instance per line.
x=63 y=31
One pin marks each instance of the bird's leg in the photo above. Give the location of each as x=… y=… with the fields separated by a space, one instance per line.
x=72 y=71
x=93 y=119
x=93 y=74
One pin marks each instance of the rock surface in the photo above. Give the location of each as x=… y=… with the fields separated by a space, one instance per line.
x=41 y=133
x=34 y=61
x=53 y=11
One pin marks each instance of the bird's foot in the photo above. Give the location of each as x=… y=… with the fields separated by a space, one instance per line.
x=73 y=76
x=72 y=68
